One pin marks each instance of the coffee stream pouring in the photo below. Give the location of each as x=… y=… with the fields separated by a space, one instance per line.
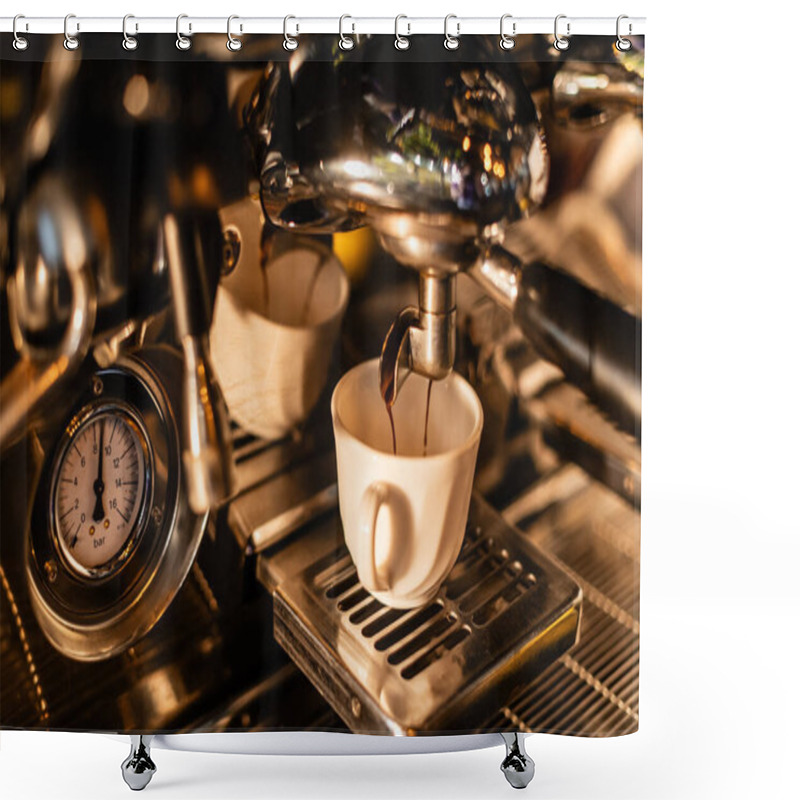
x=438 y=160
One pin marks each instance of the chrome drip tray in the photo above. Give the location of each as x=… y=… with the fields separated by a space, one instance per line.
x=503 y=616
x=594 y=535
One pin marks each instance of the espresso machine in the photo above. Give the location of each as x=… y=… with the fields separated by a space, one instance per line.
x=476 y=189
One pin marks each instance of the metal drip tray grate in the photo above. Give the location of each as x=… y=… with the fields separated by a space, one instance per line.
x=594 y=689
x=504 y=615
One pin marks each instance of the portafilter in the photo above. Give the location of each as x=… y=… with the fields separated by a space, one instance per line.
x=439 y=158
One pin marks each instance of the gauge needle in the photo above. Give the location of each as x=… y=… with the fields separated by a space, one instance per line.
x=98 y=514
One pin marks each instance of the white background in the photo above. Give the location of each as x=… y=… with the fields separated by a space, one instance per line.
x=721 y=441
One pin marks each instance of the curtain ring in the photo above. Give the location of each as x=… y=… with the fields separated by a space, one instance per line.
x=289 y=42
x=345 y=42
x=129 y=42
x=234 y=43
x=70 y=42
x=182 y=42
x=507 y=42
x=560 y=42
x=451 y=42
x=401 y=42
x=20 y=42
x=623 y=44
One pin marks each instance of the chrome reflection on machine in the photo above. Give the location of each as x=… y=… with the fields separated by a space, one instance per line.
x=440 y=173
x=111 y=521
x=523 y=258
x=433 y=182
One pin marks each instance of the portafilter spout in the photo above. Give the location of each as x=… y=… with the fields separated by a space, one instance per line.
x=424 y=338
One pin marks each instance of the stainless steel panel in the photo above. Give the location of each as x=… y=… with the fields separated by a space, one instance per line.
x=594 y=535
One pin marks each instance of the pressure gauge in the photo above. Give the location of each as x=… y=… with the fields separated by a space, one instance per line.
x=111 y=536
x=101 y=489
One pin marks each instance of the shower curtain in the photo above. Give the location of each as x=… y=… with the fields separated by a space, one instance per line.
x=320 y=401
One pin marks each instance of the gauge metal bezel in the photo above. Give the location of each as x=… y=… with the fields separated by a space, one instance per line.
x=88 y=414
x=94 y=618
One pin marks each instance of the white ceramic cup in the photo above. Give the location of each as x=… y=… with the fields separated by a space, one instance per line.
x=272 y=343
x=404 y=515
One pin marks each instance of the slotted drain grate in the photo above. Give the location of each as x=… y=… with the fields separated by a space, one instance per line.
x=503 y=614
x=484 y=583
x=594 y=690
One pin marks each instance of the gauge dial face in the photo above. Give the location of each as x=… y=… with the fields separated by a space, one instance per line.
x=100 y=489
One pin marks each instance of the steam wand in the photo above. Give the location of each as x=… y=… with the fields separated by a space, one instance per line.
x=192 y=251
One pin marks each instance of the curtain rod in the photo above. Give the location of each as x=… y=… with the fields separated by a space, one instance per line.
x=298 y=25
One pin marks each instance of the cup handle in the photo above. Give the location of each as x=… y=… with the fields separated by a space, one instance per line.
x=376 y=496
